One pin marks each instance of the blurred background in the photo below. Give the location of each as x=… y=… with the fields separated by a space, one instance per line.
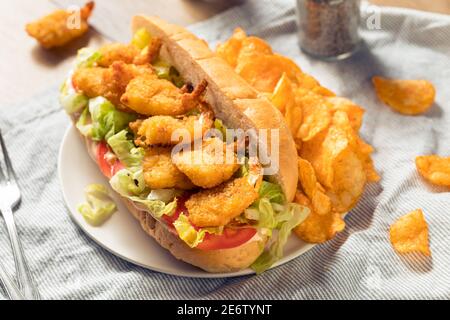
x=27 y=69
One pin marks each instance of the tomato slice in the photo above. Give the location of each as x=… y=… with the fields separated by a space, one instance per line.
x=230 y=238
x=107 y=168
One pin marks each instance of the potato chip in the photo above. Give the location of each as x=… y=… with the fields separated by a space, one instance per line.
x=264 y=71
x=309 y=84
x=252 y=46
x=229 y=50
x=316 y=115
x=435 y=169
x=283 y=94
x=410 y=97
x=354 y=112
x=337 y=163
x=283 y=98
x=365 y=151
x=307 y=177
x=317 y=228
x=410 y=234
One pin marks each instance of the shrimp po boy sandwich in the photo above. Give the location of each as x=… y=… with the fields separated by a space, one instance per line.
x=206 y=164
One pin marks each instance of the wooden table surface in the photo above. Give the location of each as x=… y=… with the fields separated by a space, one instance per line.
x=27 y=69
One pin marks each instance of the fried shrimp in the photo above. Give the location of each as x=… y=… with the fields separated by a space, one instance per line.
x=107 y=82
x=210 y=165
x=129 y=53
x=117 y=52
x=218 y=206
x=151 y=96
x=56 y=30
x=161 y=173
x=167 y=130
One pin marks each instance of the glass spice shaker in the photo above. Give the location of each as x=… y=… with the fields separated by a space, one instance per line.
x=328 y=29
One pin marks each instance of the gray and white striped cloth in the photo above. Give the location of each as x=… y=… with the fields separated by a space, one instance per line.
x=358 y=264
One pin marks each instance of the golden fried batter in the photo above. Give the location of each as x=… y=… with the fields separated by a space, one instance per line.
x=55 y=30
x=117 y=52
x=109 y=83
x=218 y=206
x=151 y=96
x=161 y=173
x=210 y=165
x=129 y=53
x=158 y=130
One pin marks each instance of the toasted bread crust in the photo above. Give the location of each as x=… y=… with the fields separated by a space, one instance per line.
x=233 y=100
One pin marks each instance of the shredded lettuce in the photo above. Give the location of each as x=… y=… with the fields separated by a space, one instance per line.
x=165 y=195
x=87 y=58
x=271 y=213
x=106 y=119
x=272 y=192
x=99 y=206
x=71 y=100
x=165 y=71
x=130 y=184
x=189 y=234
x=292 y=216
x=125 y=149
x=141 y=38
x=84 y=124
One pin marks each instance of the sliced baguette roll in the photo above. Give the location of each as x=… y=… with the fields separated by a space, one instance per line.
x=238 y=105
x=233 y=100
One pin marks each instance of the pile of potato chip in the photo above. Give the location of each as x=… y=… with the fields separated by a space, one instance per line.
x=334 y=162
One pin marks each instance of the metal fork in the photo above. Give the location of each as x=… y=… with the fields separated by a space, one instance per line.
x=9 y=198
x=10 y=287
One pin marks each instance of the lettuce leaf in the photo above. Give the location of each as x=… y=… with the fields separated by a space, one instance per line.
x=130 y=184
x=71 y=100
x=165 y=71
x=189 y=234
x=125 y=149
x=106 y=119
x=99 y=206
x=165 y=195
x=84 y=124
x=272 y=192
x=291 y=217
x=87 y=58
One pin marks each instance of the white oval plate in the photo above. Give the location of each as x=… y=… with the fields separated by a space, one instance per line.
x=122 y=234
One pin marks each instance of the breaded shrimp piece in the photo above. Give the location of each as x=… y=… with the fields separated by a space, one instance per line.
x=107 y=82
x=128 y=53
x=218 y=206
x=210 y=165
x=161 y=173
x=55 y=30
x=158 y=130
x=117 y=52
x=151 y=96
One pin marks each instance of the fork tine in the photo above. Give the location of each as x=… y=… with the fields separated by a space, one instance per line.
x=2 y=175
x=9 y=168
